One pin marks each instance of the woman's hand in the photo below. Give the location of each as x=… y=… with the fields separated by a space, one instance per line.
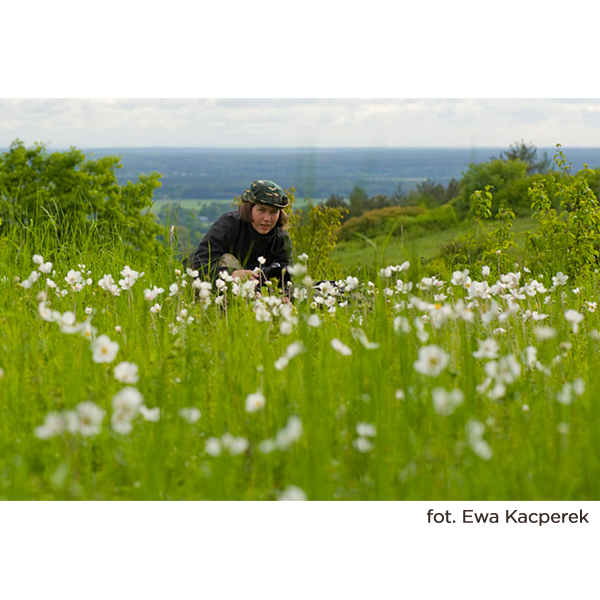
x=244 y=274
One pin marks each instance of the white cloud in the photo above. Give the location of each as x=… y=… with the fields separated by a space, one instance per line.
x=88 y=123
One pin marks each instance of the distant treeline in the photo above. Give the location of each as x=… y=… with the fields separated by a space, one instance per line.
x=314 y=173
x=510 y=174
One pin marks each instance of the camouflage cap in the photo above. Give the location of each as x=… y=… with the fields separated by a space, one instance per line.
x=264 y=191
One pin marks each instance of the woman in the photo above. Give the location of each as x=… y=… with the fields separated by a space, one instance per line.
x=237 y=240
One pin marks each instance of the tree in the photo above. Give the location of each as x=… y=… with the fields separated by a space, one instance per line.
x=501 y=176
x=528 y=154
x=358 y=201
x=74 y=195
x=335 y=201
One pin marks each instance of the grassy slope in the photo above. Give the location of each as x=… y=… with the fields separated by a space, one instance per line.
x=358 y=255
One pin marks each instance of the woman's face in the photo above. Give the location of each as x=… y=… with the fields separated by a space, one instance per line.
x=264 y=217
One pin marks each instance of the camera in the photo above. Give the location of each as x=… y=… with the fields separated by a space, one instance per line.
x=274 y=271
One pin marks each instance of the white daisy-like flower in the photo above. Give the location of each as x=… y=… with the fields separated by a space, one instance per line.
x=86 y=419
x=54 y=425
x=103 y=349
x=212 y=447
x=487 y=349
x=445 y=402
x=574 y=317
x=190 y=414
x=314 y=321
x=126 y=372
x=432 y=360
x=362 y=444
x=292 y=493
x=366 y=430
x=340 y=347
x=255 y=402
x=127 y=401
x=559 y=279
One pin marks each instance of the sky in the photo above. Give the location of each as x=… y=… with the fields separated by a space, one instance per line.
x=302 y=122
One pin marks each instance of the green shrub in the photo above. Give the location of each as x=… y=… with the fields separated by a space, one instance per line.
x=406 y=221
x=73 y=196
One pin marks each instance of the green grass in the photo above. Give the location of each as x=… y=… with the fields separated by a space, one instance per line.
x=359 y=255
x=541 y=449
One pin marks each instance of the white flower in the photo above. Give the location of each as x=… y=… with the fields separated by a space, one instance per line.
x=127 y=401
x=103 y=349
x=45 y=268
x=563 y=428
x=359 y=334
x=559 y=279
x=281 y=363
x=86 y=419
x=261 y=260
x=173 y=289
x=445 y=402
x=294 y=349
x=150 y=414
x=292 y=493
x=565 y=396
x=366 y=429
x=340 y=347
x=479 y=446
x=574 y=318
x=296 y=270
x=487 y=349
x=485 y=271
x=286 y=328
x=592 y=306
x=192 y=273
x=255 y=402
x=213 y=446
x=290 y=434
x=432 y=360
x=400 y=394
x=73 y=277
x=234 y=445
x=152 y=294
x=267 y=446
x=121 y=422
x=191 y=415
x=545 y=333
x=460 y=277
x=362 y=444
x=126 y=372
x=53 y=425
x=314 y=320
x=87 y=330
x=37 y=259
x=155 y=309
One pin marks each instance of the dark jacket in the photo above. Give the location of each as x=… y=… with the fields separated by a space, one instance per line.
x=230 y=235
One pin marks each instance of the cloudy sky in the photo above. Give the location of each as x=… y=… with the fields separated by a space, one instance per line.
x=247 y=123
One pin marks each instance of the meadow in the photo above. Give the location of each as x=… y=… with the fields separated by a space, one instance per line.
x=129 y=378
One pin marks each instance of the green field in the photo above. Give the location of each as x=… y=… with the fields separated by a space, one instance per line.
x=372 y=389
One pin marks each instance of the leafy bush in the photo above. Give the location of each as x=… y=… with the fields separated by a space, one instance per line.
x=313 y=232
x=400 y=220
x=73 y=195
x=568 y=239
x=498 y=174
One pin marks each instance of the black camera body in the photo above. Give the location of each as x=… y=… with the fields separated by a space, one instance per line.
x=277 y=272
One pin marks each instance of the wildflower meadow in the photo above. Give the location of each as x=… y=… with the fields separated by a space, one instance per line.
x=132 y=379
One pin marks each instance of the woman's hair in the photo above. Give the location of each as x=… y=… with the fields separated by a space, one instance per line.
x=245 y=209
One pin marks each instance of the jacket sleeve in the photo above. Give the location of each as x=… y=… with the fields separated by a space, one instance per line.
x=283 y=252
x=219 y=240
